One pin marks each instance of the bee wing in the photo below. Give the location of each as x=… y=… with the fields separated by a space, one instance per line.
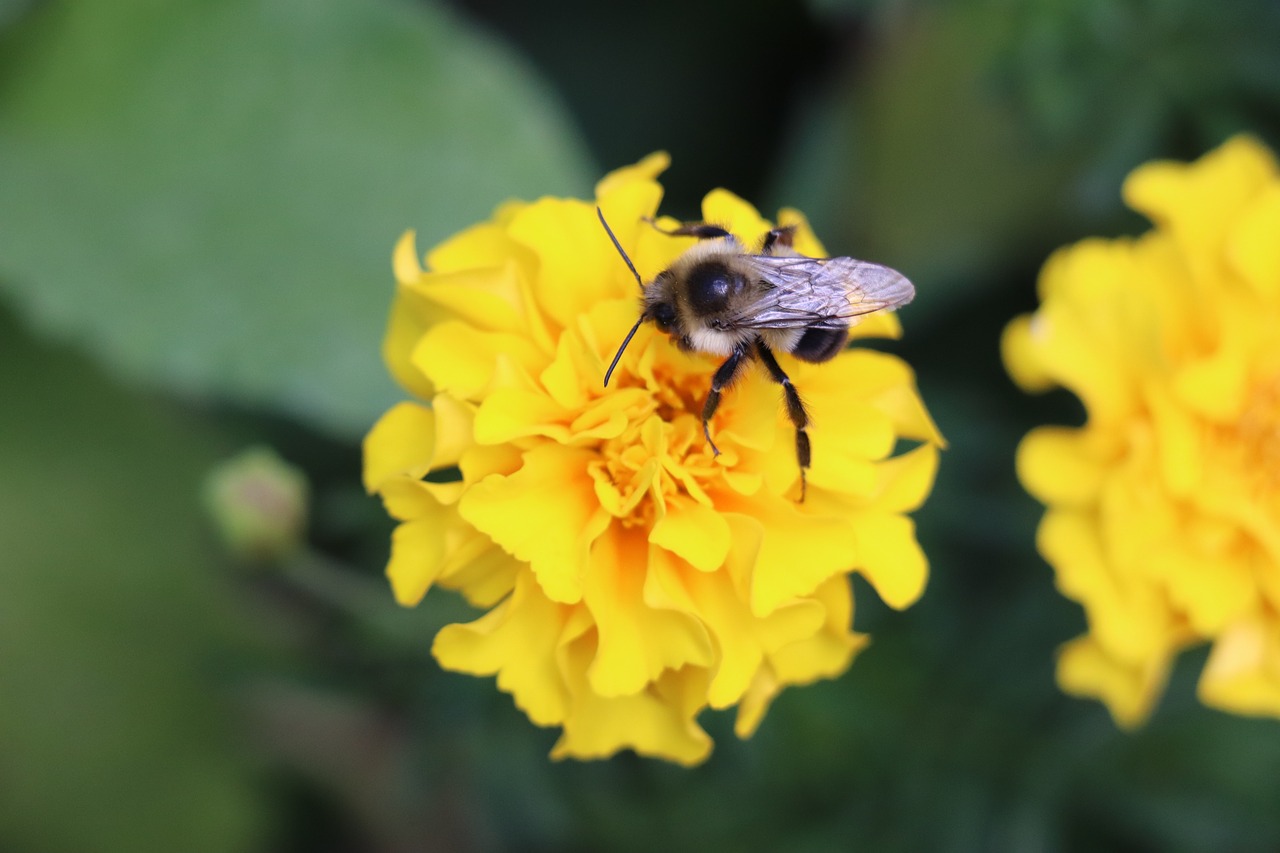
x=820 y=293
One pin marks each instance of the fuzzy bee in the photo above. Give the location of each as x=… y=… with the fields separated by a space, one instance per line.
x=719 y=299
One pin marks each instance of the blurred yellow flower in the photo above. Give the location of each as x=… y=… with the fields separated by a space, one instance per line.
x=1164 y=508
x=631 y=578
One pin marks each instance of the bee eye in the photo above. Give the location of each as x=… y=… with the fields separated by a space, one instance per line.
x=664 y=316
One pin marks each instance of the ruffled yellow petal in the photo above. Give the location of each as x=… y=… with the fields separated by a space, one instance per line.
x=1128 y=619
x=572 y=251
x=1253 y=250
x=402 y=442
x=1200 y=202
x=798 y=552
x=1243 y=672
x=417 y=557
x=1020 y=350
x=903 y=482
x=463 y=361
x=545 y=514
x=517 y=641
x=636 y=643
x=479 y=247
x=488 y=298
x=890 y=557
x=693 y=532
x=1129 y=691
x=723 y=208
x=658 y=721
x=411 y=316
x=1056 y=465
x=644 y=172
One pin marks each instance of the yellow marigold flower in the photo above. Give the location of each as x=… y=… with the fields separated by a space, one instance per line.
x=1163 y=512
x=631 y=578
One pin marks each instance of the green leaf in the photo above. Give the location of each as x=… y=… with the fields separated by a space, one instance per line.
x=206 y=194
x=113 y=737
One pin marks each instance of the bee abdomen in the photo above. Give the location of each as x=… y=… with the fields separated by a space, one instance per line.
x=818 y=345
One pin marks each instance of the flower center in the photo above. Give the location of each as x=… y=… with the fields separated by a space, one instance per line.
x=662 y=453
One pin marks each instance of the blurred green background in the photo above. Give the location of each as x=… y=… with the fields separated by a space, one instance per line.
x=197 y=207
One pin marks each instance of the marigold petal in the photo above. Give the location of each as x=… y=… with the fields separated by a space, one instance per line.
x=822 y=654
x=455 y=426
x=487 y=298
x=518 y=640
x=1214 y=387
x=404 y=258
x=483 y=245
x=577 y=263
x=407 y=498
x=1253 y=250
x=798 y=552
x=417 y=556
x=903 y=482
x=411 y=316
x=1056 y=465
x=553 y=536
x=880 y=380
x=1020 y=350
x=1127 y=619
x=1129 y=690
x=755 y=702
x=693 y=532
x=890 y=558
x=1243 y=672
x=402 y=442
x=1072 y=354
x=1199 y=201
x=636 y=643
x=645 y=171
x=507 y=414
x=480 y=570
x=462 y=361
x=883 y=325
x=1179 y=443
x=738 y=217
x=1213 y=592
x=658 y=721
x=716 y=598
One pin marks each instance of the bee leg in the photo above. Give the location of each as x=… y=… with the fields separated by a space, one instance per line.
x=784 y=237
x=724 y=376
x=701 y=230
x=795 y=408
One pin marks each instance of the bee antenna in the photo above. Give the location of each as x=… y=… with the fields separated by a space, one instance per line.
x=631 y=334
x=618 y=246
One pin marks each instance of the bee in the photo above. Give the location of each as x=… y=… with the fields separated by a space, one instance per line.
x=719 y=299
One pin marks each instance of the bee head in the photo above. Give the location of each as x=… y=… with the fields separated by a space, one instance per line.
x=663 y=316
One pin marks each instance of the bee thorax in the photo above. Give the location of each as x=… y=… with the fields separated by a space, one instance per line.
x=711 y=341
